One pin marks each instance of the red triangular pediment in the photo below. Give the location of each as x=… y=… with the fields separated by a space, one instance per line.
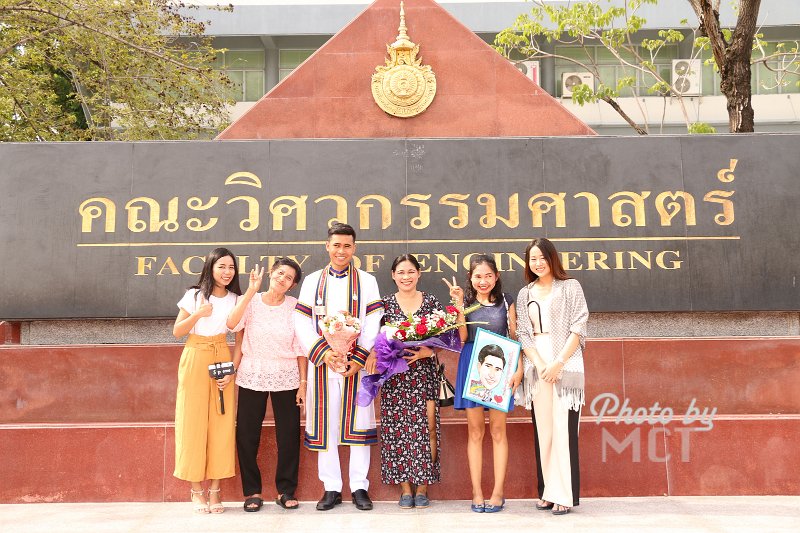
x=479 y=93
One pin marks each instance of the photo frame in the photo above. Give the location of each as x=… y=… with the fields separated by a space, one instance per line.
x=492 y=364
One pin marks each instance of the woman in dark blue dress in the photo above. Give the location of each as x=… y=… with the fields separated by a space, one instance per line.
x=498 y=315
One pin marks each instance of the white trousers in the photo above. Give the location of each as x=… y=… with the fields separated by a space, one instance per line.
x=552 y=430
x=330 y=471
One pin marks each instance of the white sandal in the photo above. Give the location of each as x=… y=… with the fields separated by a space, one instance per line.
x=199 y=507
x=215 y=508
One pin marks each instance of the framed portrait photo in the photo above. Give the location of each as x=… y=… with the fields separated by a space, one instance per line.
x=492 y=364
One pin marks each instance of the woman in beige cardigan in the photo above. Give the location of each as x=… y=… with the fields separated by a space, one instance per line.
x=551 y=325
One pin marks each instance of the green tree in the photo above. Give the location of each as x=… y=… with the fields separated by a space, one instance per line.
x=106 y=70
x=614 y=27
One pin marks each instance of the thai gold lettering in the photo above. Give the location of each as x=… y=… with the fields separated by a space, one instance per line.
x=593 y=204
x=725 y=175
x=253 y=216
x=422 y=220
x=155 y=224
x=489 y=220
x=341 y=208
x=243 y=178
x=94 y=208
x=721 y=197
x=456 y=200
x=283 y=206
x=668 y=210
x=364 y=205
x=633 y=199
x=540 y=207
x=196 y=204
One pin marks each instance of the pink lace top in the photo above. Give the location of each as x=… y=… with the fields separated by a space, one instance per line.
x=270 y=348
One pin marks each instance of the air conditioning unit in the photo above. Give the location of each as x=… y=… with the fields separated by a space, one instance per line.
x=530 y=69
x=686 y=77
x=570 y=80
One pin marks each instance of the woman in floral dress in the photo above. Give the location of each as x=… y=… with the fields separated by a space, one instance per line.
x=409 y=412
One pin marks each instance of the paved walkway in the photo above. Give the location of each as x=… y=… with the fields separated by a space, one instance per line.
x=752 y=513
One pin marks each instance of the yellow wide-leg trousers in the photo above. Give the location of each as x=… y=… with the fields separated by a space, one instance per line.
x=204 y=438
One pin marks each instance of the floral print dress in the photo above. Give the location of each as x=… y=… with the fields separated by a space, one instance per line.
x=405 y=439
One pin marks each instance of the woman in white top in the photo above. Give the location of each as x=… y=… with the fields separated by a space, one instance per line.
x=551 y=325
x=269 y=362
x=204 y=436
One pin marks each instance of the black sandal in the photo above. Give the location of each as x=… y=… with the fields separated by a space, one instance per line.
x=545 y=507
x=283 y=498
x=253 y=500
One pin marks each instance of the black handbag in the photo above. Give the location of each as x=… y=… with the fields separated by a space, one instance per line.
x=447 y=393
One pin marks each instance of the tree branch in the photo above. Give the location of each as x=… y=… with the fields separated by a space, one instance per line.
x=111 y=36
x=31 y=38
x=613 y=103
x=22 y=112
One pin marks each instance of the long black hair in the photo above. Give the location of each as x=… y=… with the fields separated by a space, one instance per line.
x=550 y=255
x=405 y=257
x=470 y=294
x=206 y=283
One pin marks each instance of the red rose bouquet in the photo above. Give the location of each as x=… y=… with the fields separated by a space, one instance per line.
x=438 y=329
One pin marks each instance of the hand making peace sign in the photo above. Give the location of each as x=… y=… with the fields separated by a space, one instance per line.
x=256 y=277
x=456 y=292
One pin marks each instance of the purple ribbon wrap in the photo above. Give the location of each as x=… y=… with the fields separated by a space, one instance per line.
x=389 y=355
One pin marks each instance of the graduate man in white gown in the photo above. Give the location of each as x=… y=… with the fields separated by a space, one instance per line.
x=333 y=418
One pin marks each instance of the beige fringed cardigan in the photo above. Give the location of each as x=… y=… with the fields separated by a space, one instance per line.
x=568 y=314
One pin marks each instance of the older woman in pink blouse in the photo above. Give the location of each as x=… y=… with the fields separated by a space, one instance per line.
x=269 y=362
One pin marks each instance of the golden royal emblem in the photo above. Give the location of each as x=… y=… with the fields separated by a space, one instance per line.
x=403 y=87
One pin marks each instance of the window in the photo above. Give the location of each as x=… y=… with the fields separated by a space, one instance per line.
x=762 y=80
x=610 y=68
x=245 y=68
x=290 y=59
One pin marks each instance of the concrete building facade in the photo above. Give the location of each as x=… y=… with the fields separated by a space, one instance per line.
x=265 y=40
